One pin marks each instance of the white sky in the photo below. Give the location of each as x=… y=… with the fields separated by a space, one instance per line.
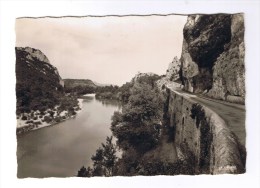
x=106 y=49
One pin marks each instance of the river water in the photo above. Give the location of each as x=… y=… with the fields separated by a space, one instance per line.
x=60 y=150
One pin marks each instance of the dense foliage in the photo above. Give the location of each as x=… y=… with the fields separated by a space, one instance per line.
x=103 y=161
x=37 y=83
x=79 y=86
x=107 y=92
x=139 y=132
x=114 y=92
x=138 y=124
x=39 y=91
x=123 y=93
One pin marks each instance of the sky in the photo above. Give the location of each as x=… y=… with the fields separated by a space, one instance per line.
x=107 y=50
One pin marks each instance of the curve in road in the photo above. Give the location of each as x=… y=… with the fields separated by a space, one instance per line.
x=232 y=114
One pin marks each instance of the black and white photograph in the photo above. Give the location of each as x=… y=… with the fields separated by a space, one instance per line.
x=124 y=94
x=130 y=95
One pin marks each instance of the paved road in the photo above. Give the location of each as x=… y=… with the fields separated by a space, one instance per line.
x=232 y=114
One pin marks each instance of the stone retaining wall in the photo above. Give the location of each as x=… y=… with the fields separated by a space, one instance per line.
x=206 y=135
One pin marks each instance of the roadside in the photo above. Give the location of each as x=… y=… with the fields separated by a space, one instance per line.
x=233 y=114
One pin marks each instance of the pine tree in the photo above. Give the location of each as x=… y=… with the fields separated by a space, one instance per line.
x=109 y=156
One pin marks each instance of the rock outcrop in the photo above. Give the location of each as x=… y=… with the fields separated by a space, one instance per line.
x=33 y=54
x=172 y=72
x=141 y=75
x=212 y=59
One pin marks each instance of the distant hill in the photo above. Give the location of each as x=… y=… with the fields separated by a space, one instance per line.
x=79 y=86
x=78 y=82
x=101 y=85
x=38 y=83
x=123 y=93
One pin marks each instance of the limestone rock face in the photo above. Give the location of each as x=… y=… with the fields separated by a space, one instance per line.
x=141 y=75
x=212 y=57
x=172 y=73
x=229 y=68
x=34 y=54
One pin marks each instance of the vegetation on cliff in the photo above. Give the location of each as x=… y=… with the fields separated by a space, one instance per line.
x=123 y=93
x=79 y=86
x=39 y=91
x=37 y=82
x=107 y=92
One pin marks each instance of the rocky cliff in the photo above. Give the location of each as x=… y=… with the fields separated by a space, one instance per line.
x=38 y=83
x=212 y=59
x=172 y=72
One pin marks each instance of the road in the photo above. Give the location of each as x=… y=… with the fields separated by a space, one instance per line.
x=232 y=114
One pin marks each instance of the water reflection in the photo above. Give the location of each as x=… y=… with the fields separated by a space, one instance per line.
x=110 y=102
x=60 y=150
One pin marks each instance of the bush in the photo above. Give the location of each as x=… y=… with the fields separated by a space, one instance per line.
x=197 y=113
x=51 y=113
x=150 y=168
x=24 y=117
x=29 y=121
x=163 y=87
x=37 y=123
x=104 y=161
x=47 y=119
x=127 y=165
x=135 y=127
x=58 y=119
x=84 y=172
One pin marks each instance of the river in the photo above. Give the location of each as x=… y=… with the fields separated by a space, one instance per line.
x=60 y=150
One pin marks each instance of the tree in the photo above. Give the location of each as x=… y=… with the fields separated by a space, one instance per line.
x=84 y=172
x=98 y=162
x=104 y=161
x=109 y=156
x=137 y=125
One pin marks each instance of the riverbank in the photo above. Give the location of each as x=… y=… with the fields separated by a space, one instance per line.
x=36 y=119
x=56 y=151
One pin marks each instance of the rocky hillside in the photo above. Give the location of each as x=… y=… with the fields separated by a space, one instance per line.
x=80 y=86
x=41 y=100
x=70 y=83
x=212 y=59
x=38 y=83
